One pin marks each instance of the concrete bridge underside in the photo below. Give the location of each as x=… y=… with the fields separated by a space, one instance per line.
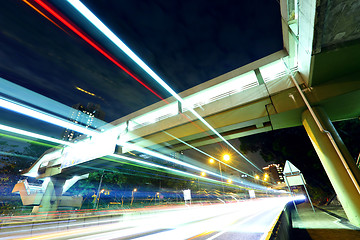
x=271 y=106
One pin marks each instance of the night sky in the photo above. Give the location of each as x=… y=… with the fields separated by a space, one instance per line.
x=184 y=42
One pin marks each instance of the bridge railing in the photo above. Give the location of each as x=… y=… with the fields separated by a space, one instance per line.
x=243 y=82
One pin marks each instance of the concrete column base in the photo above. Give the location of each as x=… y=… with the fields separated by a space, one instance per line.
x=50 y=201
x=337 y=162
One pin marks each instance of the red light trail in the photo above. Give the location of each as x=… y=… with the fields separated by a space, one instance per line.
x=36 y=9
x=75 y=29
x=93 y=44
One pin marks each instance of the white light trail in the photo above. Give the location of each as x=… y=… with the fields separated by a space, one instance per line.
x=179 y=172
x=17 y=155
x=25 y=110
x=108 y=33
x=169 y=159
x=204 y=222
x=32 y=135
x=166 y=168
x=166 y=158
x=206 y=154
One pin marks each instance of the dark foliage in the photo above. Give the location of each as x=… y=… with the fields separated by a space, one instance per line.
x=294 y=145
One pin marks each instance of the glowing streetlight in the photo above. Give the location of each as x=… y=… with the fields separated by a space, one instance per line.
x=132 y=196
x=257 y=177
x=266 y=177
x=229 y=180
x=203 y=174
x=157 y=195
x=226 y=157
x=211 y=160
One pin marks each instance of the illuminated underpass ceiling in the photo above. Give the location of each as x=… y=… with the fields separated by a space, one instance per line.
x=185 y=43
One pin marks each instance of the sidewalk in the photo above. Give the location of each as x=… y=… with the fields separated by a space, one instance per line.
x=325 y=223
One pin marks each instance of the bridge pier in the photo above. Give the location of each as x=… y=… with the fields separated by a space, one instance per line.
x=336 y=160
x=50 y=200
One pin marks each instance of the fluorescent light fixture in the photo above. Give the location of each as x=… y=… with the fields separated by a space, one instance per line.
x=108 y=33
x=158 y=114
x=273 y=70
x=221 y=90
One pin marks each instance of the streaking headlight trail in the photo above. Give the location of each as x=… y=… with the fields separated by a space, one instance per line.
x=109 y=34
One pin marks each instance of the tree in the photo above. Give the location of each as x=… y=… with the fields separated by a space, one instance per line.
x=349 y=131
x=294 y=145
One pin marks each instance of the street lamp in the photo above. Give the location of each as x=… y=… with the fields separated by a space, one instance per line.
x=222 y=181
x=157 y=196
x=226 y=157
x=229 y=180
x=266 y=177
x=203 y=174
x=257 y=177
x=132 y=196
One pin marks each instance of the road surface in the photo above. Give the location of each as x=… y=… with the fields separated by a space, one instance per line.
x=252 y=219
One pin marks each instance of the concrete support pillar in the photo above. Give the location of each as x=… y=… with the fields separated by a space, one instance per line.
x=336 y=160
x=53 y=192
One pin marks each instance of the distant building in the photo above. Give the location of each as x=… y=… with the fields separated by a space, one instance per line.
x=275 y=172
x=83 y=116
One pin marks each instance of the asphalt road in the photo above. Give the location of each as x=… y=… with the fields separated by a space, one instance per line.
x=248 y=220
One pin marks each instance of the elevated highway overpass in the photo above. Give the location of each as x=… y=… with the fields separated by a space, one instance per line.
x=312 y=82
x=260 y=107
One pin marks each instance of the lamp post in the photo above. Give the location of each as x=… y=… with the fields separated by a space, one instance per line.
x=211 y=160
x=132 y=196
x=222 y=181
x=203 y=174
x=157 y=196
x=226 y=157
